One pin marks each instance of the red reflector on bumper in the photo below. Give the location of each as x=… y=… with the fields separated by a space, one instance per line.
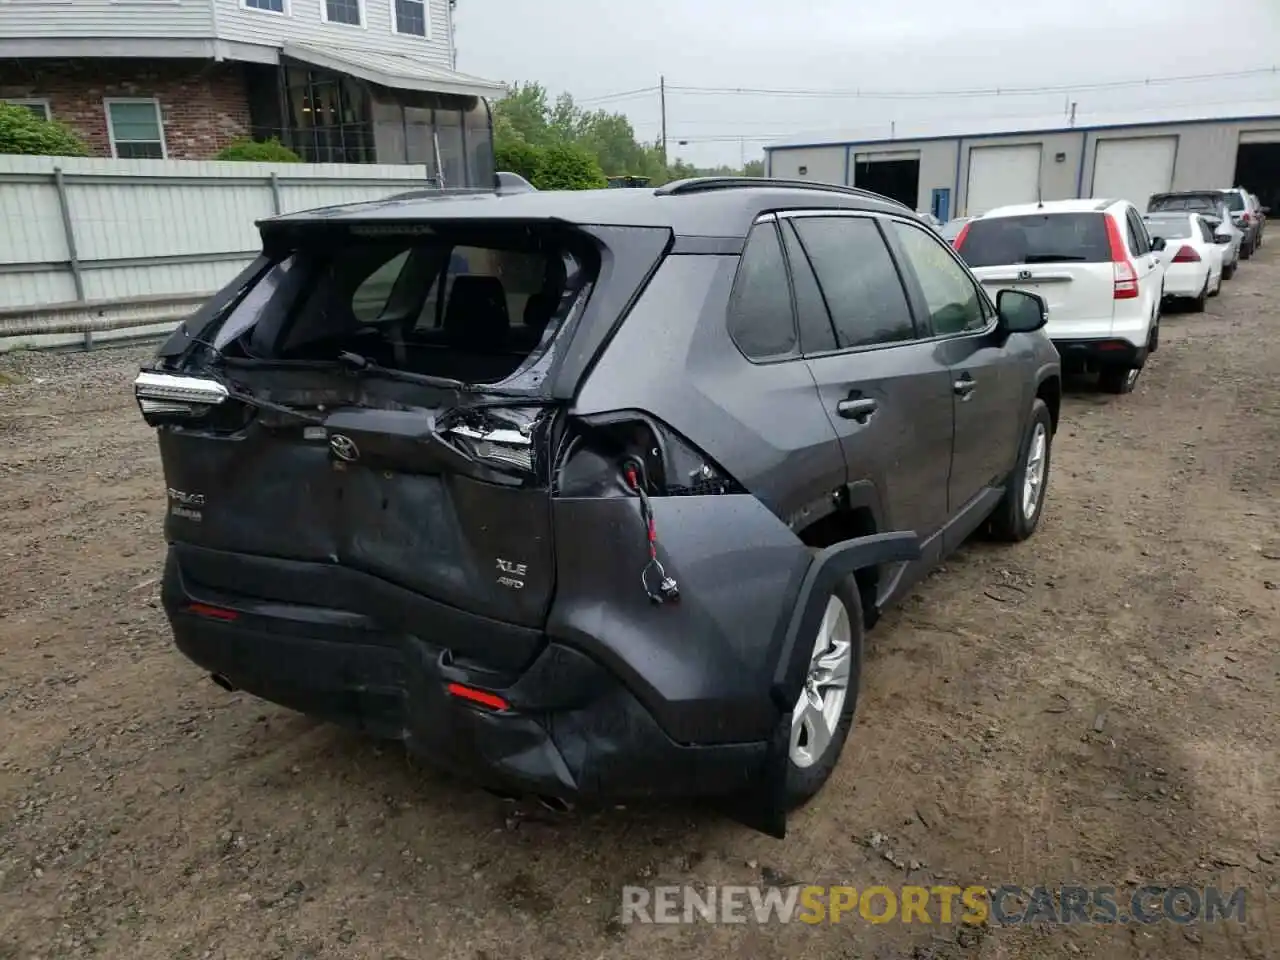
x=484 y=699
x=213 y=613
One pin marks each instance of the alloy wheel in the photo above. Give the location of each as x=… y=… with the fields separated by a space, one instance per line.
x=826 y=687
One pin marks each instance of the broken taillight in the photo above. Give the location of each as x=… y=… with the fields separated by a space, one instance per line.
x=162 y=395
x=502 y=445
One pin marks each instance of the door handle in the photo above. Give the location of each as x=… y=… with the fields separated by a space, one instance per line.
x=859 y=409
x=964 y=386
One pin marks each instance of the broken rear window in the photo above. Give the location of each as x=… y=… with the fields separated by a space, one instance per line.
x=470 y=306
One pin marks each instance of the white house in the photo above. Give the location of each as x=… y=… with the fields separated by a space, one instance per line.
x=345 y=81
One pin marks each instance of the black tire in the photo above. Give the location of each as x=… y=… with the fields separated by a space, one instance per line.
x=1153 y=340
x=1118 y=379
x=1009 y=521
x=1246 y=251
x=804 y=782
x=1228 y=271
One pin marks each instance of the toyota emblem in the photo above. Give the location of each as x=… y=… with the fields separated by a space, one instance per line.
x=344 y=448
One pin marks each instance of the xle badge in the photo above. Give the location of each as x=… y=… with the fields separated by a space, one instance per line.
x=511 y=575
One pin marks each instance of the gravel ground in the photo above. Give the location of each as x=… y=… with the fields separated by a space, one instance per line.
x=1096 y=706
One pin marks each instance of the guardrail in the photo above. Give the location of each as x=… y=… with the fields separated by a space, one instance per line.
x=85 y=325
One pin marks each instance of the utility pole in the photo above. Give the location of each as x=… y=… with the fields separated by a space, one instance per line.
x=1072 y=121
x=662 y=101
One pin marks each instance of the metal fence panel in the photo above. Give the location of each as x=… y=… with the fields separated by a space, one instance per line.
x=87 y=229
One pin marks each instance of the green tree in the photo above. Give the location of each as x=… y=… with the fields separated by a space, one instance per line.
x=258 y=151
x=526 y=124
x=21 y=131
x=516 y=156
x=754 y=168
x=567 y=166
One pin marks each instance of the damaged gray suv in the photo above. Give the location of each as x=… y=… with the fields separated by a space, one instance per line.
x=590 y=495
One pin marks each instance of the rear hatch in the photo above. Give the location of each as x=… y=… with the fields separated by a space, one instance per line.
x=386 y=399
x=1063 y=257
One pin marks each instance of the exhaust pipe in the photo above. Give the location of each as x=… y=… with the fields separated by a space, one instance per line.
x=555 y=804
x=223 y=682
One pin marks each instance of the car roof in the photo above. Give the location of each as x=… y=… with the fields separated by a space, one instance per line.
x=1050 y=206
x=707 y=206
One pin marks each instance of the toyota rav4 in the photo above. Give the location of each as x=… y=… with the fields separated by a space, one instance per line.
x=590 y=495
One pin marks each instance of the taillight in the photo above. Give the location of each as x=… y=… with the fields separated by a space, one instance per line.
x=1126 y=277
x=482 y=698
x=1246 y=219
x=1186 y=255
x=212 y=613
x=167 y=394
x=505 y=446
x=959 y=240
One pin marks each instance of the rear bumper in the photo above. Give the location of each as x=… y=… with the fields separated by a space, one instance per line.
x=1184 y=280
x=1098 y=352
x=571 y=729
x=677 y=716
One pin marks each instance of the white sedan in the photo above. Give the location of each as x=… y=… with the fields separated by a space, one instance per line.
x=1193 y=258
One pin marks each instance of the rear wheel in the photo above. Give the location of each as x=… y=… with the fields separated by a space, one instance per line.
x=1118 y=379
x=1228 y=271
x=823 y=715
x=1018 y=514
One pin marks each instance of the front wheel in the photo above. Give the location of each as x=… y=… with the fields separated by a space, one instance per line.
x=823 y=715
x=1198 y=304
x=1018 y=514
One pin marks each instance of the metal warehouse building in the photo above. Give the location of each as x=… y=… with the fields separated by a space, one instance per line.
x=969 y=174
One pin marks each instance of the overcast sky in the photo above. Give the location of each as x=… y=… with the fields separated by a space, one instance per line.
x=593 y=48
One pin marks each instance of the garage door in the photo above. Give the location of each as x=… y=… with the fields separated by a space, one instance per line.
x=1260 y=136
x=1133 y=169
x=1002 y=175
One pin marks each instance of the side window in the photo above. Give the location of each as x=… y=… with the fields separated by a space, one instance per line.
x=858 y=280
x=816 y=333
x=954 y=302
x=761 y=322
x=1138 y=240
x=1205 y=232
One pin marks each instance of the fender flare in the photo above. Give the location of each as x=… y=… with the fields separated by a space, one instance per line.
x=763 y=805
x=825 y=570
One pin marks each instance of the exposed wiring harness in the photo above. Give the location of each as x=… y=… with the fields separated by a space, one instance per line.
x=659 y=587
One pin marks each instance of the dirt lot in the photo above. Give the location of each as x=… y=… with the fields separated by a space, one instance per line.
x=1096 y=706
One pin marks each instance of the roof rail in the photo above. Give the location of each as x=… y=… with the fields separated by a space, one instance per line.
x=680 y=188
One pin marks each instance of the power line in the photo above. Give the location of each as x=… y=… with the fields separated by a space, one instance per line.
x=952 y=93
x=622 y=95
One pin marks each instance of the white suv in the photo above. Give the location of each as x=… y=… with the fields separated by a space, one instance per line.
x=1094 y=264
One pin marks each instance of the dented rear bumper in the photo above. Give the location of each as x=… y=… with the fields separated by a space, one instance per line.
x=617 y=698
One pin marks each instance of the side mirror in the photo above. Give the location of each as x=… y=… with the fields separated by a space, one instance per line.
x=1158 y=243
x=1021 y=312
x=1222 y=238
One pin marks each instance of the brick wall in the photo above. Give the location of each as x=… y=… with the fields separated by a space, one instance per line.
x=204 y=105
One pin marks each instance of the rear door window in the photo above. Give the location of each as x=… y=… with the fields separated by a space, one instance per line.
x=858 y=280
x=1139 y=242
x=816 y=333
x=1235 y=202
x=761 y=321
x=1037 y=238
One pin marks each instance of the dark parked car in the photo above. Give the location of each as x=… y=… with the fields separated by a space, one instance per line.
x=590 y=495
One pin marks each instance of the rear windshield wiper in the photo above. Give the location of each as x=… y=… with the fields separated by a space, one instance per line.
x=356 y=362
x=361 y=364
x=1053 y=258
